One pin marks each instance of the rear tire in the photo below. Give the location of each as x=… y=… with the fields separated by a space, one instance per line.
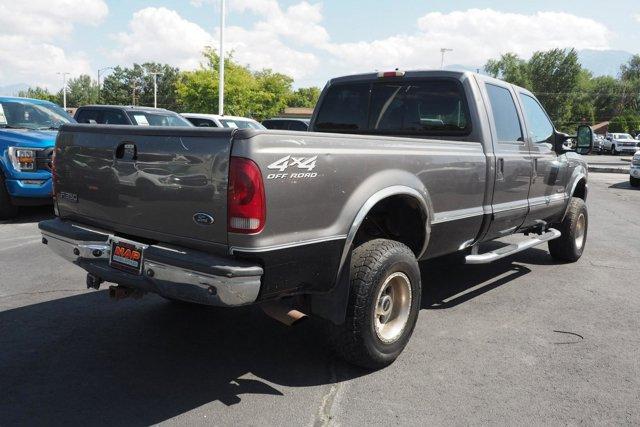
x=635 y=182
x=7 y=209
x=613 y=150
x=384 y=302
x=574 y=227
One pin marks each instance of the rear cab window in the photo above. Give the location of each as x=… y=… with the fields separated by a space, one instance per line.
x=505 y=114
x=428 y=106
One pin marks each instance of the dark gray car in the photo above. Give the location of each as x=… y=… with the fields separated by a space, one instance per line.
x=398 y=167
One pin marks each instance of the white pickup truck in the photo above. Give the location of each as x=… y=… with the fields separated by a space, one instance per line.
x=620 y=143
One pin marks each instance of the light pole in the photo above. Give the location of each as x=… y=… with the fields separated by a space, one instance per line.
x=221 y=73
x=443 y=51
x=155 y=88
x=100 y=71
x=64 y=88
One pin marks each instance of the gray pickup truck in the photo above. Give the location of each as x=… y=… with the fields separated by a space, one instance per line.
x=398 y=167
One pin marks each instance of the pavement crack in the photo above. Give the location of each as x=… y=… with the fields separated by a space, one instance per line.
x=569 y=333
x=324 y=415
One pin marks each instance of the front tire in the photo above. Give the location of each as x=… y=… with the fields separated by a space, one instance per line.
x=7 y=209
x=570 y=245
x=384 y=302
x=635 y=182
x=613 y=150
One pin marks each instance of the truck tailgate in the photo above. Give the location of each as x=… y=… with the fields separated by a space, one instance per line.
x=162 y=184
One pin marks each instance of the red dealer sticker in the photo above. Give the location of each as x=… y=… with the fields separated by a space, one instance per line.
x=127 y=257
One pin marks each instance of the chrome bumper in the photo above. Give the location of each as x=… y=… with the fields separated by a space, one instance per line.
x=237 y=282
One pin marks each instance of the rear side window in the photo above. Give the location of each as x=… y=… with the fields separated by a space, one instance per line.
x=88 y=116
x=299 y=126
x=205 y=123
x=275 y=124
x=505 y=114
x=414 y=107
x=114 y=117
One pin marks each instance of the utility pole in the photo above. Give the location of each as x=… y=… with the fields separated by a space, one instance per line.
x=443 y=51
x=155 y=88
x=221 y=73
x=64 y=88
x=100 y=71
x=133 y=95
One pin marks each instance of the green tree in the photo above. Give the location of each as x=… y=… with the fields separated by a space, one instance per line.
x=259 y=94
x=618 y=124
x=82 y=90
x=39 y=93
x=631 y=70
x=304 y=97
x=134 y=85
x=509 y=68
x=555 y=76
x=633 y=122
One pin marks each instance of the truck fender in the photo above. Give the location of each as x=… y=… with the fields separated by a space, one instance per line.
x=333 y=306
x=579 y=175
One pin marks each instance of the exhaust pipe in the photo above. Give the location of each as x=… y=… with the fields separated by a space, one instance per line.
x=283 y=313
x=122 y=292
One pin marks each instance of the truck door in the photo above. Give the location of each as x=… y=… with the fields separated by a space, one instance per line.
x=513 y=162
x=547 y=194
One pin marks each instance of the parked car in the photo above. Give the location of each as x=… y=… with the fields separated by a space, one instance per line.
x=28 y=129
x=617 y=143
x=217 y=121
x=598 y=144
x=287 y=124
x=399 y=167
x=634 y=170
x=128 y=115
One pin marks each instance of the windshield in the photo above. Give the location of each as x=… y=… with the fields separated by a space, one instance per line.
x=23 y=114
x=241 y=124
x=623 y=136
x=148 y=118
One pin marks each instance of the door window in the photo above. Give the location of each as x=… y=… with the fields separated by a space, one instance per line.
x=538 y=123
x=505 y=114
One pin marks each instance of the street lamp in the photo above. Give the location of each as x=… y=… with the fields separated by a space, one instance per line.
x=64 y=88
x=155 y=88
x=443 y=51
x=101 y=71
x=221 y=84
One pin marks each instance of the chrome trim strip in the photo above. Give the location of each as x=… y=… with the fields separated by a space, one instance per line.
x=234 y=249
x=440 y=217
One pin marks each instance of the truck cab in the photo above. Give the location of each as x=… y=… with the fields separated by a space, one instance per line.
x=28 y=129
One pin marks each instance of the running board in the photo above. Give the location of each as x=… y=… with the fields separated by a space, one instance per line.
x=512 y=249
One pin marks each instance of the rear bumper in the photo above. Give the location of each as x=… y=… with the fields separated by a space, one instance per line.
x=177 y=273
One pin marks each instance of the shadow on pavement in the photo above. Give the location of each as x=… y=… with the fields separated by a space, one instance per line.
x=31 y=214
x=87 y=360
x=625 y=185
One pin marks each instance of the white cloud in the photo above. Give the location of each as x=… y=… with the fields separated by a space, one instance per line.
x=29 y=36
x=49 y=18
x=160 y=34
x=475 y=35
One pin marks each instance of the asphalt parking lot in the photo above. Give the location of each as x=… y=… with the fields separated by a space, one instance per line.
x=521 y=341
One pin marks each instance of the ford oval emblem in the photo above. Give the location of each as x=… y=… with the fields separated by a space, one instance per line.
x=202 y=219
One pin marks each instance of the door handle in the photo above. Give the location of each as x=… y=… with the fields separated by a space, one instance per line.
x=535 y=168
x=500 y=171
x=127 y=151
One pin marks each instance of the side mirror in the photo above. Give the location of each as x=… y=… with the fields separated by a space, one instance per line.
x=584 y=139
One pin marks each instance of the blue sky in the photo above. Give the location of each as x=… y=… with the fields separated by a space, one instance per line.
x=310 y=40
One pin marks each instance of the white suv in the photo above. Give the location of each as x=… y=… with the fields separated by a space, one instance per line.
x=634 y=171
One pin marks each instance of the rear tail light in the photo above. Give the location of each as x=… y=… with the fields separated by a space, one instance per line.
x=246 y=210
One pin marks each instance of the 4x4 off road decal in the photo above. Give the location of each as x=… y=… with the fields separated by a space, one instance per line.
x=289 y=162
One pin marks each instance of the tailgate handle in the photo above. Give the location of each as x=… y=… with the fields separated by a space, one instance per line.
x=127 y=151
